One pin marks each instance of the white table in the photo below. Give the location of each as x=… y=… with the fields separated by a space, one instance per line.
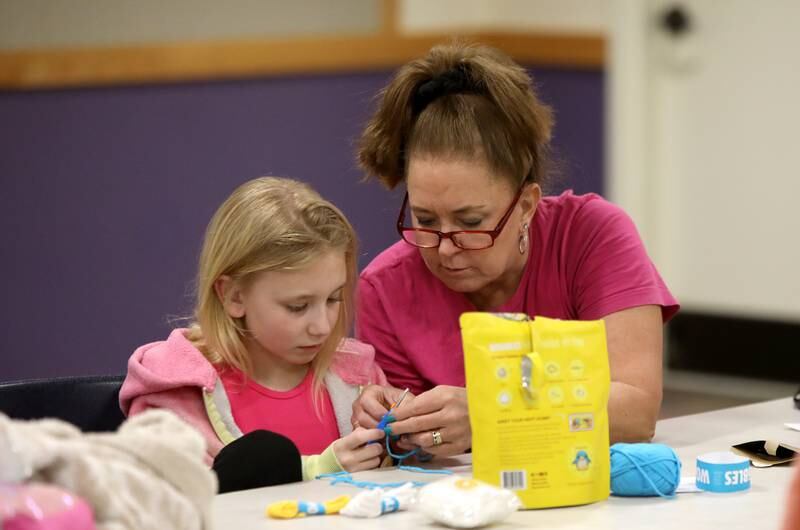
x=761 y=507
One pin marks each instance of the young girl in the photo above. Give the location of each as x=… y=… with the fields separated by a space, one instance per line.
x=267 y=350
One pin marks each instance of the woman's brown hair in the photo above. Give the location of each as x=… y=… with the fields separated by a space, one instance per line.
x=463 y=101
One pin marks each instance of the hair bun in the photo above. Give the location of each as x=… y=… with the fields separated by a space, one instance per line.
x=455 y=81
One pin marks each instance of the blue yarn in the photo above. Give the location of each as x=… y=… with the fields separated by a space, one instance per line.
x=402 y=456
x=416 y=469
x=343 y=477
x=644 y=470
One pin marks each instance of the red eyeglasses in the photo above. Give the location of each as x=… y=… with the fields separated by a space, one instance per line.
x=464 y=239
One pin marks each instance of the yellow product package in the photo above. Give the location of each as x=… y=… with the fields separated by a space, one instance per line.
x=538 y=395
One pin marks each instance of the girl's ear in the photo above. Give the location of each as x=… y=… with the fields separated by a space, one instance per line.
x=529 y=201
x=229 y=293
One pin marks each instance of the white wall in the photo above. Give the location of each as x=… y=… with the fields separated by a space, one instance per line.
x=26 y=24
x=703 y=142
x=569 y=16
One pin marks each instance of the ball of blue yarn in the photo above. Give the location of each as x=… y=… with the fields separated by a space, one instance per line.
x=644 y=470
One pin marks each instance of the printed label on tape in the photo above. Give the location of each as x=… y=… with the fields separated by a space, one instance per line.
x=723 y=472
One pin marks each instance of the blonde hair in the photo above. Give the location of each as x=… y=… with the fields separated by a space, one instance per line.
x=459 y=100
x=267 y=224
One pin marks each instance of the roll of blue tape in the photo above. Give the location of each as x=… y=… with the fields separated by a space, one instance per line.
x=723 y=472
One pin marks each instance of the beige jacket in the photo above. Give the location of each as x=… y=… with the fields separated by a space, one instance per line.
x=150 y=474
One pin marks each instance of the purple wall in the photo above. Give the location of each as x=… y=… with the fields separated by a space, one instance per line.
x=106 y=193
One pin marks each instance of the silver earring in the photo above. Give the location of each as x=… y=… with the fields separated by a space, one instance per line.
x=523 y=239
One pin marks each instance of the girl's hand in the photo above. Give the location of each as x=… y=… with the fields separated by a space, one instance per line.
x=373 y=403
x=442 y=410
x=353 y=452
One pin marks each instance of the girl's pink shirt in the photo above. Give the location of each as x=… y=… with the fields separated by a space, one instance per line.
x=290 y=413
x=172 y=374
x=586 y=260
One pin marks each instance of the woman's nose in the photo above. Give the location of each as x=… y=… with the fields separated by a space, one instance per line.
x=447 y=247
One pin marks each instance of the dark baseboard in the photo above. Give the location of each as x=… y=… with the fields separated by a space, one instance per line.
x=761 y=349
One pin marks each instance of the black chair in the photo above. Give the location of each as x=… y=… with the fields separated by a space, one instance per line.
x=89 y=402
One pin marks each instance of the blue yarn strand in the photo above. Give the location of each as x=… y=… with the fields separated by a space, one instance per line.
x=343 y=477
x=346 y=478
x=416 y=469
x=402 y=456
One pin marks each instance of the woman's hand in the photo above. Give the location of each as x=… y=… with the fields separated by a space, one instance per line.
x=355 y=454
x=438 y=415
x=373 y=403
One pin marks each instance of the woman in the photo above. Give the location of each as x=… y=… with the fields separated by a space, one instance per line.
x=792 y=518
x=465 y=132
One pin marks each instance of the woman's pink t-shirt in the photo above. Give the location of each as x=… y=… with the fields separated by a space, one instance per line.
x=290 y=413
x=586 y=260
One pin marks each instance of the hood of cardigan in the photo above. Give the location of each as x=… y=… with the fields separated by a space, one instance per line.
x=166 y=365
x=175 y=363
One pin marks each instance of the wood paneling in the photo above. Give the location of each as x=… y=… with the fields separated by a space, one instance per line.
x=188 y=61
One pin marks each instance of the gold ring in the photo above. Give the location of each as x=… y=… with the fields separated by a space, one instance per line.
x=437 y=438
